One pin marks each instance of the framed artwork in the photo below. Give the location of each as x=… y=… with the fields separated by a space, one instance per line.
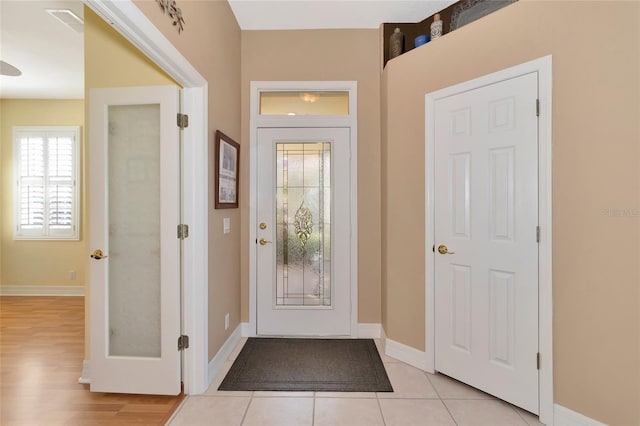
x=227 y=153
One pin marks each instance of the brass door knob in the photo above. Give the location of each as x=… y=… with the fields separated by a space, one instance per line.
x=262 y=225
x=98 y=254
x=264 y=242
x=442 y=249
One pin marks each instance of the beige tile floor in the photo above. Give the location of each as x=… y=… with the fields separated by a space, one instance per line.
x=419 y=398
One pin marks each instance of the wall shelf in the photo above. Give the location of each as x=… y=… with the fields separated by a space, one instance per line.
x=412 y=30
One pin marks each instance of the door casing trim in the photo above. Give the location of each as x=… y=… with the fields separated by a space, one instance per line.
x=543 y=66
x=128 y=20
x=257 y=121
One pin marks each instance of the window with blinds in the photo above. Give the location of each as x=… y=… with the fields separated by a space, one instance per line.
x=46 y=176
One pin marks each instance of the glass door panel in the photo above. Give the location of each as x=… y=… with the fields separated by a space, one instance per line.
x=134 y=231
x=303 y=224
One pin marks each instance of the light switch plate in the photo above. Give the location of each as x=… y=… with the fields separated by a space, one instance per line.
x=226 y=225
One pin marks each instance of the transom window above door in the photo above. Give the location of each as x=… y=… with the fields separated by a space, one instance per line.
x=304 y=103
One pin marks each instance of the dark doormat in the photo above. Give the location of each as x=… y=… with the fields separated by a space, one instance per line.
x=330 y=365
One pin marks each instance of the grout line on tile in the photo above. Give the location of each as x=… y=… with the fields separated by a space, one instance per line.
x=449 y=411
x=384 y=422
x=313 y=410
x=521 y=414
x=246 y=410
x=432 y=385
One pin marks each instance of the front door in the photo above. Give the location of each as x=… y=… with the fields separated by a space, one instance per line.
x=303 y=232
x=134 y=171
x=486 y=218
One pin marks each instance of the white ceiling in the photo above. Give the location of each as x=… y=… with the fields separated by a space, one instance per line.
x=50 y=55
x=324 y=14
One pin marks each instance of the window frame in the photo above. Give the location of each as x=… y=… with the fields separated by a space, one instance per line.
x=46 y=233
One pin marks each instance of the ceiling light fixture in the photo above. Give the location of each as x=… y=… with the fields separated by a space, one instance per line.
x=68 y=18
x=309 y=97
x=8 y=69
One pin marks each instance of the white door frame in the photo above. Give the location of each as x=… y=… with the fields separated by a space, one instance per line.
x=543 y=67
x=265 y=121
x=126 y=18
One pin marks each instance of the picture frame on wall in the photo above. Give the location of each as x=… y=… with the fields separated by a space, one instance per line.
x=227 y=165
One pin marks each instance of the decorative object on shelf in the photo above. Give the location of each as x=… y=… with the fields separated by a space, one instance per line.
x=227 y=159
x=171 y=8
x=396 y=43
x=470 y=10
x=436 y=27
x=420 y=40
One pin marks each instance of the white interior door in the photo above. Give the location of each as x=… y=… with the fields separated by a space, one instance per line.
x=486 y=218
x=303 y=235
x=134 y=171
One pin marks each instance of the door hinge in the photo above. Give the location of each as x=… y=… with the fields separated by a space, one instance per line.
x=537 y=234
x=183 y=231
x=537 y=107
x=538 y=360
x=183 y=342
x=183 y=121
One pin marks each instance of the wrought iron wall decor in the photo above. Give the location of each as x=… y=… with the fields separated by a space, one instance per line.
x=171 y=8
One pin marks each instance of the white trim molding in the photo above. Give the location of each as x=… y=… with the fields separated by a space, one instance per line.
x=407 y=354
x=134 y=25
x=369 y=330
x=543 y=67
x=563 y=416
x=257 y=121
x=247 y=331
x=217 y=363
x=42 y=290
x=85 y=377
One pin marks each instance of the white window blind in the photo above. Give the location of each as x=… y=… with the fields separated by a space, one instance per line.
x=46 y=175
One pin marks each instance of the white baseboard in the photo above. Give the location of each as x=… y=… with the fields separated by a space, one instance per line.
x=246 y=330
x=215 y=365
x=563 y=416
x=369 y=330
x=365 y=330
x=42 y=290
x=85 y=378
x=404 y=353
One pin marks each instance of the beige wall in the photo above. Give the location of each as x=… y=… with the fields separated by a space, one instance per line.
x=325 y=55
x=596 y=159
x=211 y=42
x=110 y=61
x=38 y=262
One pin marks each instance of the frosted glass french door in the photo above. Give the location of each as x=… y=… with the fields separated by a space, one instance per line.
x=303 y=250
x=134 y=174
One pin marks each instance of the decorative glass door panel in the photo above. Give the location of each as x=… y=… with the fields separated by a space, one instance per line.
x=303 y=224
x=303 y=242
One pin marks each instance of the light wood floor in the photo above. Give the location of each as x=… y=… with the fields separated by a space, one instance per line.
x=41 y=354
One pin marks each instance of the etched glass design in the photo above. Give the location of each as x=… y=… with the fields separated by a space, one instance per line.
x=303 y=218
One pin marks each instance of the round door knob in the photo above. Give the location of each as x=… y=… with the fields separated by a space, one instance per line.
x=442 y=249
x=98 y=254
